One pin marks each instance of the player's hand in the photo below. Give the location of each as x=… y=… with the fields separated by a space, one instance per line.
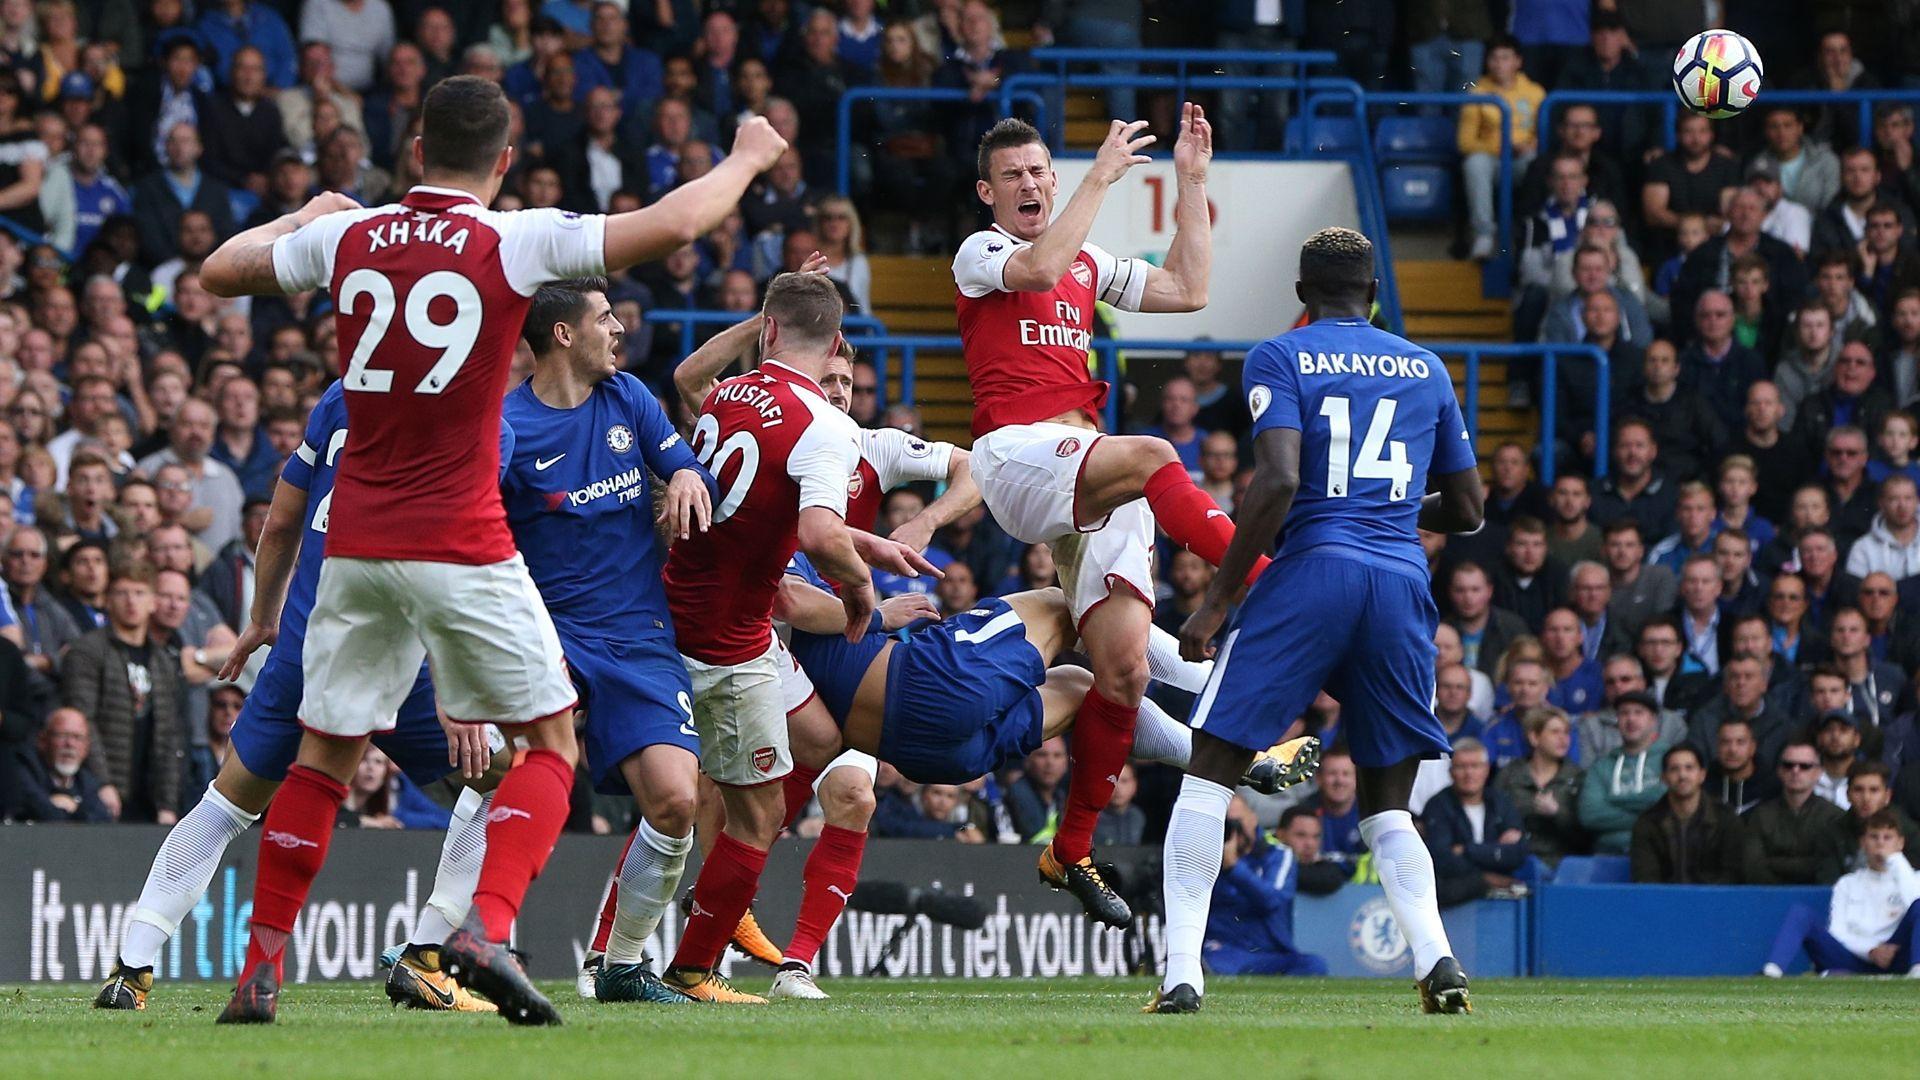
x=1193 y=150
x=907 y=609
x=688 y=506
x=467 y=747
x=168 y=817
x=815 y=263
x=254 y=636
x=914 y=533
x=324 y=203
x=758 y=144
x=1197 y=633
x=892 y=556
x=1881 y=956
x=110 y=798
x=858 y=601
x=1121 y=151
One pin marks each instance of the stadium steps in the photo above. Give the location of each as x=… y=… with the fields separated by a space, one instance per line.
x=1441 y=301
x=914 y=295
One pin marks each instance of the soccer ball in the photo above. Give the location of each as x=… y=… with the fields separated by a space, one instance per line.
x=1717 y=74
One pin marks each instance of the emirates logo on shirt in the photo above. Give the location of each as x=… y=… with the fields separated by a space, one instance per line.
x=1083 y=274
x=1067 y=448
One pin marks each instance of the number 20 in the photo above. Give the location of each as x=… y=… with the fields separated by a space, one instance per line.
x=454 y=339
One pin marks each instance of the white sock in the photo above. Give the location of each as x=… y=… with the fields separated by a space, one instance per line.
x=181 y=870
x=453 y=881
x=1406 y=873
x=648 y=877
x=1159 y=737
x=1165 y=664
x=1195 y=836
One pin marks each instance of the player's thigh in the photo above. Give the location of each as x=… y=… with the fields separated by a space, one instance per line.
x=417 y=743
x=1293 y=627
x=1114 y=561
x=742 y=720
x=1027 y=475
x=1047 y=619
x=960 y=693
x=1385 y=682
x=362 y=650
x=496 y=656
x=636 y=695
x=266 y=738
x=813 y=736
x=1060 y=697
x=1117 y=469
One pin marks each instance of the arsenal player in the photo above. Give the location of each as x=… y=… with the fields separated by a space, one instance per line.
x=430 y=295
x=1027 y=287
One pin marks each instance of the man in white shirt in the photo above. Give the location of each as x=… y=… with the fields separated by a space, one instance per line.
x=1786 y=221
x=1874 y=918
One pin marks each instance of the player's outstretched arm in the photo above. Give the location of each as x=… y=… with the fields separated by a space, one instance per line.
x=1180 y=282
x=693 y=209
x=700 y=372
x=1276 y=478
x=272 y=569
x=962 y=495
x=1459 y=505
x=243 y=266
x=1040 y=265
x=828 y=542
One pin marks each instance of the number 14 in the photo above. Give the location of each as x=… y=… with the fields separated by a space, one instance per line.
x=1373 y=465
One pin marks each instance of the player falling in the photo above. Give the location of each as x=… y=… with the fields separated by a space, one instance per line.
x=430 y=295
x=1027 y=289
x=1352 y=427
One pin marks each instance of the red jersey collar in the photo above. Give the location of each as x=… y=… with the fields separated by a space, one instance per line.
x=421 y=196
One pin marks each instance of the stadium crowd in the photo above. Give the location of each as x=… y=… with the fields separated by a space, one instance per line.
x=1705 y=660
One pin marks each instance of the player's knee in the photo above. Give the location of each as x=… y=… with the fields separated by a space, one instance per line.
x=846 y=798
x=670 y=812
x=1125 y=683
x=1148 y=455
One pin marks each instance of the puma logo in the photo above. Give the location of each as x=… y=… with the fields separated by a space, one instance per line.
x=841 y=893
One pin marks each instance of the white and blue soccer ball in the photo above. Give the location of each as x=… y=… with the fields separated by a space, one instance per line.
x=1717 y=74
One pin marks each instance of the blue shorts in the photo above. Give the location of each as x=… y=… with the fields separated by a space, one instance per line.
x=267 y=732
x=1323 y=622
x=963 y=697
x=635 y=694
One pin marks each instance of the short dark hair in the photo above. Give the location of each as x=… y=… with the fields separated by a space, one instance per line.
x=805 y=306
x=463 y=125
x=1827 y=670
x=1666 y=759
x=1004 y=135
x=139 y=571
x=1294 y=813
x=1527 y=523
x=1622 y=525
x=557 y=302
x=1882 y=819
x=1336 y=261
x=1870 y=768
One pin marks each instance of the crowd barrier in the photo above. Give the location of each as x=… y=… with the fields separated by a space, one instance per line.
x=67 y=891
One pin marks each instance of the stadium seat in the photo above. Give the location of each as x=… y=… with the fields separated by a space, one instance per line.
x=1400 y=139
x=1326 y=134
x=1594 y=870
x=1417 y=192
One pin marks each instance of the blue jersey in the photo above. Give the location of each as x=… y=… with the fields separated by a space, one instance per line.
x=1376 y=416
x=577 y=498
x=310 y=468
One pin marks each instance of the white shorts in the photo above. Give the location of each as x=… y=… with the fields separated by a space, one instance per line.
x=1029 y=475
x=742 y=721
x=796 y=689
x=491 y=645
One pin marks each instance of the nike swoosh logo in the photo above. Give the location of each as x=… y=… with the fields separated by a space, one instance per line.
x=542 y=465
x=444 y=997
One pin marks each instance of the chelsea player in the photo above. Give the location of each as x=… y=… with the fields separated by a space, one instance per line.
x=585 y=436
x=1352 y=427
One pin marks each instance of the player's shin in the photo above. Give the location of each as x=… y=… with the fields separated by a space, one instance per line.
x=649 y=876
x=461 y=854
x=610 y=903
x=728 y=879
x=1191 y=517
x=293 y=846
x=1102 y=736
x=181 y=870
x=1164 y=661
x=1158 y=737
x=1406 y=875
x=1195 y=838
x=528 y=812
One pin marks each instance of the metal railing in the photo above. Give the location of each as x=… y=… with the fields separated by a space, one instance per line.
x=689 y=320
x=843 y=119
x=1549 y=356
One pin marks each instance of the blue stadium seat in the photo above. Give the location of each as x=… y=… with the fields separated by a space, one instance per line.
x=1594 y=870
x=1399 y=139
x=1326 y=134
x=1417 y=192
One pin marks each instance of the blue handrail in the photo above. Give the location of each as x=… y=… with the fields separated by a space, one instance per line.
x=1181 y=82
x=689 y=319
x=843 y=120
x=1549 y=356
x=1669 y=104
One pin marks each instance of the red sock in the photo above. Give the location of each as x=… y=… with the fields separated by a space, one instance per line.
x=1191 y=517
x=1102 y=736
x=728 y=879
x=611 y=905
x=529 y=810
x=832 y=870
x=798 y=788
x=293 y=845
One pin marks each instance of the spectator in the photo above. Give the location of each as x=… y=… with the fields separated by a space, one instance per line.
x=1485 y=630
x=1250 y=925
x=180 y=185
x=1737 y=485
x=54 y=782
x=1898 y=439
x=1636 y=488
x=1892 y=545
x=1527 y=583
x=83 y=583
x=1453 y=691
x=1891 y=637
x=1759 y=320
x=1842 y=224
x=1716 y=366
x=129 y=686
x=46 y=626
x=1479 y=135
x=1448 y=654
x=1591 y=594
x=215 y=487
x=776 y=206
x=1836 y=735
x=860 y=37
x=1686 y=839
x=1743 y=696
x=1787 y=220
x=1623 y=783
x=370 y=794
x=1869 y=793
x=1527 y=682
x=958 y=591
x=1874 y=686
x=1640 y=591
x=1121 y=823
x=1848 y=490
x=1474 y=833
x=633 y=74
x=1785 y=463
x=1688 y=430
x=813 y=77
x=898 y=812
x=1513 y=492
x=96 y=195
x=1038 y=798
x=599 y=162
x=360 y=32
x=241 y=125
x=1688 y=180
x=977 y=64
x=1576 y=680
x=1693 y=514
x=1710 y=266
x=1893 y=142
x=843 y=242
x=1874 y=924
x=1576 y=135
x=1741 y=593
x=1611 y=62
x=1888 y=267
x=391 y=110
x=1571 y=537
x=1854 y=319
x=1219 y=468
x=556 y=117
x=1807 y=170
x=1598 y=732
x=1736 y=778
x=1552 y=228
x=1335 y=802
x=1594 y=269
x=1793 y=838
x=318 y=85
x=1545 y=786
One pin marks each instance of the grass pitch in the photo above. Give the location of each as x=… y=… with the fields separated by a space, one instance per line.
x=1011 y=1028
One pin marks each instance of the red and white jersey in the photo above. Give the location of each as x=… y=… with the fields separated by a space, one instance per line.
x=890 y=458
x=775 y=447
x=1027 y=351
x=430 y=294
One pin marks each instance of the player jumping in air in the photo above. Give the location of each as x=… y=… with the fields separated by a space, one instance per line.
x=431 y=294
x=1027 y=288
x=585 y=436
x=267 y=736
x=1353 y=427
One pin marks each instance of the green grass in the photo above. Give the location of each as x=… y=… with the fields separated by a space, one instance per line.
x=1621 y=1030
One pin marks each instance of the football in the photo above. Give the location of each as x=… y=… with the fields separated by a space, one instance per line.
x=1717 y=74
